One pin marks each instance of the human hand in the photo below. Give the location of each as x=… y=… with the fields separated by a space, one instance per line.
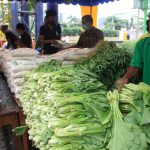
x=53 y=41
x=121 y=82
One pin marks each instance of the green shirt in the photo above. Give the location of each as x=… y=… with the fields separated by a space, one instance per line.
x=141 y=58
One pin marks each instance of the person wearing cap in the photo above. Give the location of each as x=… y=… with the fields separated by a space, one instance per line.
x=11 y=37
x=50 y=32
x=140 y=61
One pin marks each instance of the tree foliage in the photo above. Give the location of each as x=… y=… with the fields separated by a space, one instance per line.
x=5 y=13
x=71 y=26
x=116 y=23
x=110 y=33
x=113 y=25
x=31 y=5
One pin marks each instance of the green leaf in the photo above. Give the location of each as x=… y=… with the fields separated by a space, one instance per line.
x=20 y=130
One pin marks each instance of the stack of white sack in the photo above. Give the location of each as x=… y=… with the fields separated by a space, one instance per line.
x=16 y=63
x=72 y=55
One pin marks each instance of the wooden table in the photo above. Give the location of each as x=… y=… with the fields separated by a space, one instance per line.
x=9 y=112
x=22 y=123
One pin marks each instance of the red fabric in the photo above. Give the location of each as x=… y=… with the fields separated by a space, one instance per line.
x=2 y=42
x=132 y=71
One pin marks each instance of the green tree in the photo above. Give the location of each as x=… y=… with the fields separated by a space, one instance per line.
x=71 y=26
x=5 y=13
x=115 y=23
x=110 y=33
x=31 y=5
x=72 y=20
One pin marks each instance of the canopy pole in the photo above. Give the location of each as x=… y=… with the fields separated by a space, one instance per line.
x=90 y=10
x=53 y=6
x=145 y=14
x=38 y=17
x=14 y=14
x=25 y=16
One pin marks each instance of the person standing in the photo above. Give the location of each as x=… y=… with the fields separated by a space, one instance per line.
x=50 y=32
x=139 y=62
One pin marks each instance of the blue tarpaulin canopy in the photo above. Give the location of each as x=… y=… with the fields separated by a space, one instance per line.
x=80 y=2
x=74 y=2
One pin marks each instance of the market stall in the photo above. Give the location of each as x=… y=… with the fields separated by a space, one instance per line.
x=67 y=102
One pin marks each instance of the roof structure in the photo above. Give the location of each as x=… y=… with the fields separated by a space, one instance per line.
x=74 y=2
x=80 y=2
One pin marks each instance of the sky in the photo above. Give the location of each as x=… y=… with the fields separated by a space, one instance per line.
x=117 y=7
x=106 y=9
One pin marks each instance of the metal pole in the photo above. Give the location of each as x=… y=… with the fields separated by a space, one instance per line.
x=38 y=17
x=145 y=14
x=137 y=28
x=25 y=16
x=91 y=11
x=14 y=14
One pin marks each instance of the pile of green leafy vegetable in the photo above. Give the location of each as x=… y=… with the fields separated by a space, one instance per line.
x=109 y=63
x=134 y=102
x=125 y=134
x=68 y=109
x=65 y=109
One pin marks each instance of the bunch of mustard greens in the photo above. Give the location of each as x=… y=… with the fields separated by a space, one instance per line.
x=69 y=108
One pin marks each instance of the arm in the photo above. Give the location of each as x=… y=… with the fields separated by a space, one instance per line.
x=78 y=45
x=42 y=38
x=135 y=66
x=131 y=72
x=43 y=41
x=75 y=45
x=58 y=28
x=8 y=40
x=8 y=44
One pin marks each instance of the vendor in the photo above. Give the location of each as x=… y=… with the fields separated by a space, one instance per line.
x=24 y=38
x=50 y=32
x=139 y=62
x=10 y=37
x=91 y=36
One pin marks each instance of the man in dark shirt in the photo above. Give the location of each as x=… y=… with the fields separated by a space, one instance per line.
x=50 y=32
x=91 y=35
x=24 y=39
x=10 y=37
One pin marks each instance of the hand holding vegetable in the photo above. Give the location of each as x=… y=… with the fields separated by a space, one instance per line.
x=131 y=72
x=53 y=41
x=121 y=82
